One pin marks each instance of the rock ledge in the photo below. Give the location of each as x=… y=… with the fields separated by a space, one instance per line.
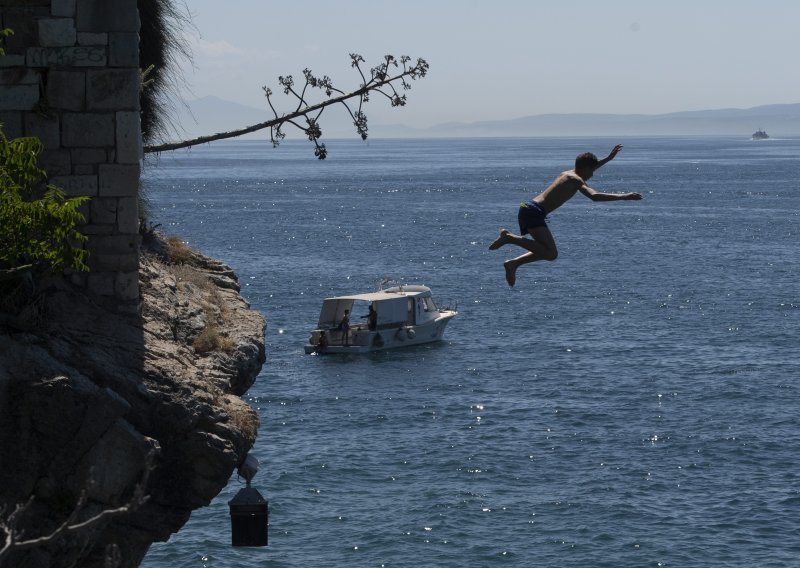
x=91 y=392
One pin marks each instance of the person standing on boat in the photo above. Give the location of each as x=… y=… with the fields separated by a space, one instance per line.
x=531 y=216
x=344 y=326
x=372 y=318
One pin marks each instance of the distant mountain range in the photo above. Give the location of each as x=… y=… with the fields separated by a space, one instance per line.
x=209 y=115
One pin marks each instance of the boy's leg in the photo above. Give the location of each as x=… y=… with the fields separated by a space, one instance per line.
x=541 y=247
x=541 y=244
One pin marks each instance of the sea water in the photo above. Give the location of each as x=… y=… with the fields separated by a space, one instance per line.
x=634 y=403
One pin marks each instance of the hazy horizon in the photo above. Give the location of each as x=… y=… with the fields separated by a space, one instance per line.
x=507 y=59
x=211 y=114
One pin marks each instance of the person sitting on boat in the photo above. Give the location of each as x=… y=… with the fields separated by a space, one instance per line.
x=323 y=342
x=372 y=318
x=344 y=326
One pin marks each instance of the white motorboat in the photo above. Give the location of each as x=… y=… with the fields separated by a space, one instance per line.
x=392 y=317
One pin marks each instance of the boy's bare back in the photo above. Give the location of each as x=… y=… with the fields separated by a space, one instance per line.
x=563 y=188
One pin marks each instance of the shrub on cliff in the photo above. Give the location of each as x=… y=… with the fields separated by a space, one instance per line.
x=38 y=223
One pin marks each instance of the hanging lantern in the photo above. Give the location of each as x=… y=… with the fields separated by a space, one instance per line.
x=249 y=510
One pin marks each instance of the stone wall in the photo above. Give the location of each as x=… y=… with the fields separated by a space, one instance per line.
x=70 y=76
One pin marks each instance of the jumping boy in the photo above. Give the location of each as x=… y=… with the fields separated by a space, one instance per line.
x=541 y=245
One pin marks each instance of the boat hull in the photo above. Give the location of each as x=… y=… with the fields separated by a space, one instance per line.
x=362 y=340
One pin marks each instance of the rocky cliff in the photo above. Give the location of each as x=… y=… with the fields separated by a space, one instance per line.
x=88 y=393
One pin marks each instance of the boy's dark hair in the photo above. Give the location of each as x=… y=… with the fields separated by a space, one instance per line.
x=587 y=160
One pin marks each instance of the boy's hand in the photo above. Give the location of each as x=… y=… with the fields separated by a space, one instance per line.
x=614 y=151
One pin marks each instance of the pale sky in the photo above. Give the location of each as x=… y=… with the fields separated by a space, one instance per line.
x=508 y=58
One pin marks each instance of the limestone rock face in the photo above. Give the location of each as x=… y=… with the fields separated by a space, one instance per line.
x=90 y=393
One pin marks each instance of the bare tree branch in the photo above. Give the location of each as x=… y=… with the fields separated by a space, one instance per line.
x=14 y=539
x=379 y=80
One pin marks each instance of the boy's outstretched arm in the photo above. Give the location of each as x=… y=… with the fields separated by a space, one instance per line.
x=595 y=195
x=614 y=151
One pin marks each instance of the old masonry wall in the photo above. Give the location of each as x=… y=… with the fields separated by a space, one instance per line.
x=70 y=77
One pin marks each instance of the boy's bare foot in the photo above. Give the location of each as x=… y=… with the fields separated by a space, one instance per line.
x=511 y=272
x=501 y=240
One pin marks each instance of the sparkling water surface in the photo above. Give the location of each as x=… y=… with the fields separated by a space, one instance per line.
x=634 y=403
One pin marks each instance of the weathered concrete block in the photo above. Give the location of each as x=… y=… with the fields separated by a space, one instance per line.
x=18 y=97
x=57 y=32
x=119 y=180
x=105 y=16
x=128 y=262
x=66 y=90
x=95 y=39
x=104 y=210
x=12 y=60
x=84 y=169
x=87 y=130
x=64 y=8
x=102 y=262
x=100 y=283
x=128 y=215
x=12 y=123
x=112 y=89
x=123 y=49
x=114 y=244
x=129 y=138
x=79 y=56
x=44 y=128
x=88 y=156
x=126 y=285
x=20 y=76
x=75 y=186
x=56 y=162
x=97 y=229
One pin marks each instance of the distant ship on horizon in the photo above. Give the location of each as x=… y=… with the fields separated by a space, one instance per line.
x=760 y=134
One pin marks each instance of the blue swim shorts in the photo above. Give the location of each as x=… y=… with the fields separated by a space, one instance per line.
x=531 y=215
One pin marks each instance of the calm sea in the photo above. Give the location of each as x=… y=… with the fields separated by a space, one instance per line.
x=634 y=403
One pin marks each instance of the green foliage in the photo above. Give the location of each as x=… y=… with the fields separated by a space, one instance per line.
x=146 y=79
x=38 y=223
x=4 y=33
